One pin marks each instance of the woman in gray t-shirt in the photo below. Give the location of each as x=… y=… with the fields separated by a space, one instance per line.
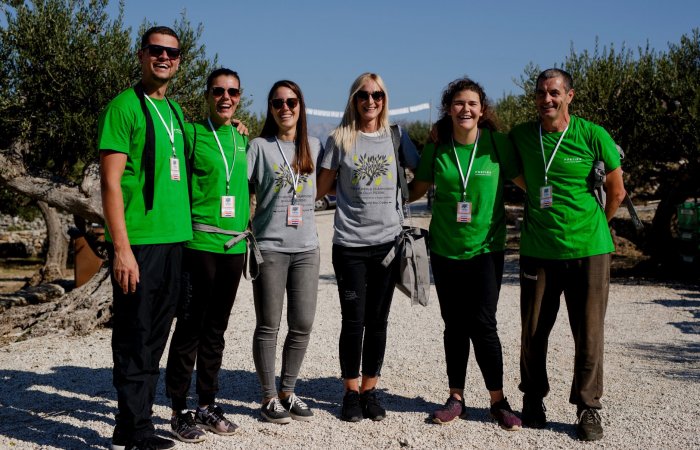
x=359 y=157
x=281 y=166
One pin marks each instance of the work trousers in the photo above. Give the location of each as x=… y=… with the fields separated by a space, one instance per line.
x=297 y=274
x=210 y=281
x=468 y=293
x=585 y=283
x=366 y=289
x=141 y=324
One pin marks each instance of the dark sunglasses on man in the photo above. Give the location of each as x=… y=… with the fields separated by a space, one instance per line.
x=291 y=103
x=157 y=50
x=364 y=95
x=218 y=91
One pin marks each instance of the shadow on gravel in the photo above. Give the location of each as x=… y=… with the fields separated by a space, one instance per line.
x=690 y=302
x=674 y=361
x=29 y=401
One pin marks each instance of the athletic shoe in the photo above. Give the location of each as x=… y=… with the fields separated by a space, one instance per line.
x=297 y=409
x=534 y=412
x=351 y=410
x=453 y=408
x=274 y=412
x=588 y=425
x=503 y=414
x=151 y=443
x=212 y=418
x=183 y=427
x=371 y=409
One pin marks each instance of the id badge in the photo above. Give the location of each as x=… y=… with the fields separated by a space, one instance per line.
x=174 y=169
x=464 y=212
x=294 y=218
x=228 y=206
x=545 y=196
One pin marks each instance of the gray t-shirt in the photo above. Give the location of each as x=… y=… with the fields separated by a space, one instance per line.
x=272 y=179
x=367 y=190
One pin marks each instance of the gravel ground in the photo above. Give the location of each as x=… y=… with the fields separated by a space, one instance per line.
x=57 y=392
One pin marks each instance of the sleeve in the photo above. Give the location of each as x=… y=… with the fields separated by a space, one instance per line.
x=331 y=157
x=190 y=133
x=410 y=154
x=426 y=167
x=321 y=153
x=252 y=160
x=507 y=158
x=604 y=146
x=114 y=129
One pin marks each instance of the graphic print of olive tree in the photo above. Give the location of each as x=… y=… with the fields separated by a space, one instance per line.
x=283 y=178
x=372 y=167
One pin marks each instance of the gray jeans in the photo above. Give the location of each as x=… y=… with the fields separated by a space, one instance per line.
x=297 y=273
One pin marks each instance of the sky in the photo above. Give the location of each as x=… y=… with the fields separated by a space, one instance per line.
x=416 y=47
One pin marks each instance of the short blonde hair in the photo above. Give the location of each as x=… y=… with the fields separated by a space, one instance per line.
x=345 y=134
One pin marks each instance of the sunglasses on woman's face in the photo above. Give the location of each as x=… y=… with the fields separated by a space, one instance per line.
x=218 y=91
x=157 y=50
x=364 y=95
x=291 y=103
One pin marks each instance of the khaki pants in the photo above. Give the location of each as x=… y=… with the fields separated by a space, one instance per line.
x=585 y=283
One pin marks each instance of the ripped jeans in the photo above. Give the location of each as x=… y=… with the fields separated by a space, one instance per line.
x=366 y=289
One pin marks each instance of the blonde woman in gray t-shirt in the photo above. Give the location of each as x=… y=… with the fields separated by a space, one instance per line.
x=360 y=159
x=282 y=169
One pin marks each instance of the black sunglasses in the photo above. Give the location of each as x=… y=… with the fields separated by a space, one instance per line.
x=218 y=91
x=376 y=95
x=277 y=103
x=157 y=50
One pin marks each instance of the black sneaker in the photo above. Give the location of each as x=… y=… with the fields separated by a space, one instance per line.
x=213 y=419
x=183 y=427
x=503 y=414
x=274 y=412
x=534 y=412
x=371 y=409
x=351 y=410
x=589 y=426
x=151 y=443
x=297 y=409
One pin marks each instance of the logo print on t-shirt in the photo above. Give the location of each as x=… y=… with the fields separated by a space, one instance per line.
x=284 y=179
x=373 y=168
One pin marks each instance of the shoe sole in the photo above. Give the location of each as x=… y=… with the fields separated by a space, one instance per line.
x=302 y=418
x=513 y=428
x=589 y=438
x=353 y=419
x=375 y=418
x=189 y=441
x=440 y=422
x=220 y=433
x=281 y=420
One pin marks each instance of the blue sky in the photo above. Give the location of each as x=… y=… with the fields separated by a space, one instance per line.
x=417 y=47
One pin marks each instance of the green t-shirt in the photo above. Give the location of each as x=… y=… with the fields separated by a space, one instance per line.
x=209 y=185
x=122 y=128
x=575 y=225
x=487 y=230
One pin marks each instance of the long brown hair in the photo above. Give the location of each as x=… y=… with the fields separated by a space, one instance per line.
x=487 y=120
x=303 y=162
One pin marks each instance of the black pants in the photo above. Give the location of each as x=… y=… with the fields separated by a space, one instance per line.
x=585 y=283
x=468 y=294
x=141 y=324
x=211 y=282
x=366 y=289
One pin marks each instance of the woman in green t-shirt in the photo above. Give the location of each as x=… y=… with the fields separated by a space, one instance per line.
x=211 y=271
x=468 y=166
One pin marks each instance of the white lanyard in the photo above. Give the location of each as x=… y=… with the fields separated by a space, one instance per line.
x=223 y=156
x=551 y=158
x=295 y=179
x=465 y=180
x=171 y=130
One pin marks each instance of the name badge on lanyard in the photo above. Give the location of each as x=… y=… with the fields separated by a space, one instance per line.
x=464 y=212
x=294 y=215
x=174 y=169
x=545 y=197
x=228 y=206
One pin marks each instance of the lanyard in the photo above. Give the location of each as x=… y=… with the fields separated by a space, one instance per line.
x=551 y=158
x=295 y=179
x=171 y=130
x=465 y=180
x=223 y=156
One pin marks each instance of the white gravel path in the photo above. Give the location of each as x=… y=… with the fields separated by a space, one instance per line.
x=57 y=392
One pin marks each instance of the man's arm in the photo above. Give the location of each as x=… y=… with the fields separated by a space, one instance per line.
x=615 y=192
x=126 y=270
x=417 y=189
x=520 y=182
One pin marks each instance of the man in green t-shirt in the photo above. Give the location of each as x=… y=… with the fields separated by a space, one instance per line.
x=565 y=247
x=146 y=207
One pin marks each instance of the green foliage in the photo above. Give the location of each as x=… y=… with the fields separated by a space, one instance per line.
x=418 y=132
x=648 y=101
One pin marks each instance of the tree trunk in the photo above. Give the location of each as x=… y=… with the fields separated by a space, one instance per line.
x=57 y=255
